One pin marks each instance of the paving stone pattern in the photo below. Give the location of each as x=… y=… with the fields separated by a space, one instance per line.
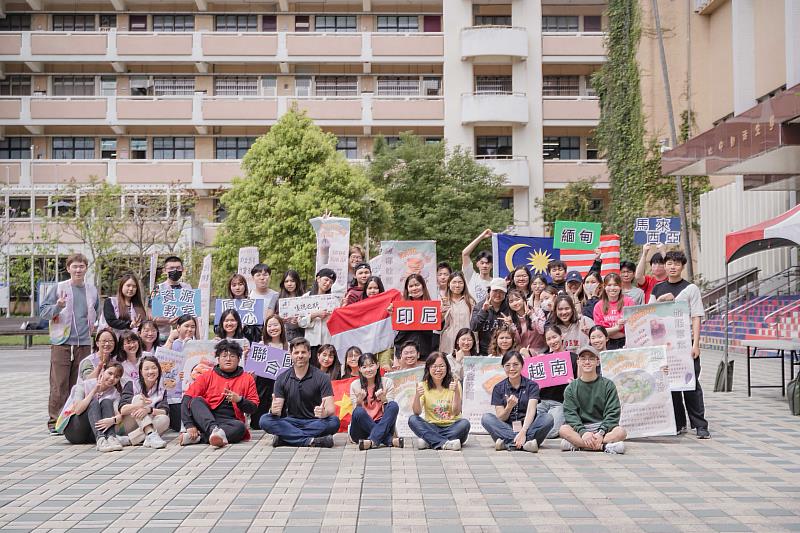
x=747 y=478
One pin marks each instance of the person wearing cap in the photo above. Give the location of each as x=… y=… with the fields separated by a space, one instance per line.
x=591 y=409
x=627 y=273
x=489 y=314
x=355 y=292
x=574 y=287
x=213 y=409
x=658 y=271
x=315 y=323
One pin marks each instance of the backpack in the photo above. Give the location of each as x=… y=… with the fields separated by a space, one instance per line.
x=719 y=381
x=793 y=395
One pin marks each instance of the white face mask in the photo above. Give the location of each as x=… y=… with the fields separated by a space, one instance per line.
x=547 y=305
x=590 y=289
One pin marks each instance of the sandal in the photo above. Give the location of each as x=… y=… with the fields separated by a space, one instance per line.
x=364 y=445
x=398 y=442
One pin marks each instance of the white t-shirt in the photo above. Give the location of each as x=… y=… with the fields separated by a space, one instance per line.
x=478 y=287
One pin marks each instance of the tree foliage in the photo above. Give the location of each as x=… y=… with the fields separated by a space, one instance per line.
x=573 y=202
x=438 y=194
x=293 y=174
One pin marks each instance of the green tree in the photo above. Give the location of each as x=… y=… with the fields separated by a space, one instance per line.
x=294 y=174
x=573 y=202
x=438 y=194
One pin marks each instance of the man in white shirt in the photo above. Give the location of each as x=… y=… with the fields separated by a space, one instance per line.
x=478 y=282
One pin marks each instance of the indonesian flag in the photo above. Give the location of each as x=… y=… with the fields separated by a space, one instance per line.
x=341 y=399
x=581 y=260
x=366 y=324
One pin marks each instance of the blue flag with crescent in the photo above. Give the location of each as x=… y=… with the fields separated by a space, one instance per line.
x=511 y=251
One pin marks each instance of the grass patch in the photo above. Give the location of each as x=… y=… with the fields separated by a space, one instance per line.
x=19 y=340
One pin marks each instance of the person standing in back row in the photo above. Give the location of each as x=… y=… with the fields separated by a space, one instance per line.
x=173 y=268
x=478 y=282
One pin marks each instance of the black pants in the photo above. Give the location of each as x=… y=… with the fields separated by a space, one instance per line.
x=205 y=419
x=174 y=413
x=264 y=387
x=695 y=405
x=81 y=428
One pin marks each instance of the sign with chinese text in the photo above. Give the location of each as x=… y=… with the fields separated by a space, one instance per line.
x=417 y=315
x=569 y=235
x=248 y=258
x=658 y=230
x=640 y=375
x=205 y=298
x=405 y=386
x=549 y=370
x=403 y=258
x=172 y=364
x=305 y=305
x=267 y=361
x=177 y=302
x=666 y=324
x=251 y=311
x=481 y=374
x=333 y=247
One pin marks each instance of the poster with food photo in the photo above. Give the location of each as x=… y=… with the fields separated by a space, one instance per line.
x=481 y=374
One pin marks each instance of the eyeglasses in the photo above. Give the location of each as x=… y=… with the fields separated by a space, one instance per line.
x=511 y=365
x=105 y=341
x=438 y=367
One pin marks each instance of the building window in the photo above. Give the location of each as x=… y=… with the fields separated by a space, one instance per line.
x=395 y=24
x=73 y=85
x=334 y=23
x=431 y=86
x=432 y=140
x=19 y=207
x=560 y=23
x=592 y=152
x=233 y=147
x=78 y=22
x=108 y=148
x=73 y=148
x=173 y=147
x=173 y=86
x=393 y=141
x=596 y=205
x=563 y=148
x=137 y=22
x=507 y=202
x=237 y=23
x=140 y=85
x=493 y=20
x=107 y=22
x=108 y=86
x=173 y=23
x=336 y=86
x=15 y=148
x=61 y=207
x=269 y=23
x=348 y=147
x=493 y=84
x=236 y=86
x=302 y=86
x=15 y=86
x=269 y=86
x=494 y=146
x=139 y=148
x=16 y=22
x=397 y=86
x=592 y=23
x=220 y=213
x=302 y=23
x=561 y=86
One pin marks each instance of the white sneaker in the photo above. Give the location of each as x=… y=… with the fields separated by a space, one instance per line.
x=218 y=439
x=185 y=440
x=124 y=440
x=114 y=443
x=499 y=445
x=154 y=440
x=452 y=445
x=102 y=445
x=614 y=447
x=531 y=446
x=567 y=446
x=422 y=445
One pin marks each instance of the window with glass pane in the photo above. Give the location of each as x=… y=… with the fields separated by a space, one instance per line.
x=560 y=86
x=397 y=86
x=592 y=152
x=173 y=23
x=73 y=148
x=139 y=148
x=592 y=23
x=73 y=85
x=236 y=23
x=107 y=22
x=493 y=20
x=173 y=85
x=15 y=86
x=432 y=140
x=302 y=86
x=564 y=148
x=108 y=148
x=220 y=213
x=507 y=202
x=16 y=22
x=139 y=85
x=560 y=23
x=334 y=23
x=79 y=22
x=348 y=146
x=15 y=148
x=236 y=86
x=336 y=85
x=301 y=23
x=269 y=23
x=233 y=147
x=589 y=89
x=392 y=141
x=493 y=84
x=493 y=146
x=137 y=22
x=173 y=147
x=398 y=24
x=269 y=86
x=19 y=207
x=432 y=86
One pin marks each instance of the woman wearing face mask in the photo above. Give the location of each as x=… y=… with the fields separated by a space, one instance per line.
x=143 y=406
x=91 y=411
x=373 y=287
x=552 y=398
x=327 y=360
x=574 y=326
x=608 y=311
x=592 y=287
x=355 y=292
x=466 y=346
x=457 y=306
x=125 y=310
x=547 y=300
x=315 y=324
x=415 y=289
x=291 y=287
x=375 y=412
x=274 y=335
x=528 y=324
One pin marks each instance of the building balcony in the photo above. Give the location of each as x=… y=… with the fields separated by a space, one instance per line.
x=560 y=173
x=515 y=169
x=570 y=111
x=489 y=108
x=489 y=43
x=389 y=47
x=558 y=47
x=414 y=110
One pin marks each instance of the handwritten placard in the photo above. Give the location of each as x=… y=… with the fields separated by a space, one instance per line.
x=304 y=305
x=177 y=302
x=251 y=311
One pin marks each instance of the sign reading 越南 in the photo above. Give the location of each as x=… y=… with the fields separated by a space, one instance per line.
x=549 y=370
x=569 y=235
x=417 y=315
x=657 y=230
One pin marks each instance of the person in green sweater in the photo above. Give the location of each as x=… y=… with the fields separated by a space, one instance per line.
x=591 y=410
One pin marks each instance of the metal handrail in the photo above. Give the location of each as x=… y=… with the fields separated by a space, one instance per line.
x=752 y=288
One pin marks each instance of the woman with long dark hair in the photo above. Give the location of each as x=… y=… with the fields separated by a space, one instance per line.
x=143 y=406
x=415 y=289
x=125 y=310
x=375 y=412
x=291 y=287
x=608 y=311
x=457 y=306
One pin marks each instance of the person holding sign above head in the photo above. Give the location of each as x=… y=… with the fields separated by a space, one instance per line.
x=658 y=272
x=214 y=406
x=375 y=414
x=478 y=281
x=355 y=291
x=327 y=360
x=125 y=310
x=552 y=398
x=415 y=289
x=608 y=311
x=438 y=395
x=262 y=274
x=291 y=287
x=173 y=268
x=515 y=424
x=185 y=330
x=315 y=323
x=591 y=410
x=143 y=406
x=488 y=314
x=274 y=335
x=302 y=412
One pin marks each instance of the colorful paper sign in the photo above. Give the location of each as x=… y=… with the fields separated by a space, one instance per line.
x=341 y=400
x=549 y=370
x=403 y=258
x=405 y=386
x=199 y=358
x=571 y=235
x=481 y=374
x=666 y=324
x=640 y=375
x=248 y=258
x=417 y=315
x=333 y=247
x=511 y=251
x=305 y=305
x=205 y=298
x=657 y=230
x=267 y=361
x=251 y=311
x=172 y=366
x=177 y=302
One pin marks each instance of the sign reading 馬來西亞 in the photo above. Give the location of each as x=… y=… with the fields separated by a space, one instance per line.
x=549 y=370
x=657 y=230
x=571 y=235
x=177 y=302
x=417 y=315
x=304 y=305
x=267 y=361
x=251 y=311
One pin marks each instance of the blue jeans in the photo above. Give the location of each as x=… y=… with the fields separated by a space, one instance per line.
x=363 y=427
x=298 y=431
x=436 y=436
x=554 y=409
x=498 y=429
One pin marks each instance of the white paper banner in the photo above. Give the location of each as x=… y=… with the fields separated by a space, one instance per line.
x=248 y=258
x=304 y=305
x=333 y=247
x=205 y=298
x=403 y=258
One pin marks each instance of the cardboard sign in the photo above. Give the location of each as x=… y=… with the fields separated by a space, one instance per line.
x=417 y=315
x=248 y=258
x=251 y=311
x=549 y=370
x=570 y=235
x=333 y=247
x=172 y=364
x=305 y=305
x=657 y=230
x=177 y=302
x=267 y=361
x=481 y=374
x=403 y=258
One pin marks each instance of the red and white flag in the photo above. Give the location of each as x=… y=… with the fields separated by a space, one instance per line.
x=581 y=260
x=366 y=324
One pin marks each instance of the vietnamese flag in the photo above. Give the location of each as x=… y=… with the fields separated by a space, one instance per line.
x=341 y=399
x=366 y=324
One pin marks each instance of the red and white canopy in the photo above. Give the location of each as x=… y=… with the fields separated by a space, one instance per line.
x=783 y=230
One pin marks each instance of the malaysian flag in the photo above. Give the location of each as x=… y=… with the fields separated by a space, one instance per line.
x=581 y=260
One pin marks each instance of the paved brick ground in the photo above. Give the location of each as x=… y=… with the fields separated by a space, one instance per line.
x=747 y=478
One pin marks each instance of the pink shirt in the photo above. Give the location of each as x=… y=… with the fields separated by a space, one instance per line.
x=609 y=320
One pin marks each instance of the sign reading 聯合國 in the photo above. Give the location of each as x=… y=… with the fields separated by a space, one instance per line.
x=267 y=361
x=417 y=315
x=657 y=230
x=570 y=235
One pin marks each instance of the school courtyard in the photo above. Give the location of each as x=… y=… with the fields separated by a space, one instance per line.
x=747 y=478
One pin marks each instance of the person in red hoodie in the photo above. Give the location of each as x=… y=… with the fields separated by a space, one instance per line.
x=214 y=406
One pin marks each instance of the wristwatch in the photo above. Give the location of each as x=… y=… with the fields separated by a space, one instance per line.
x=602 y=432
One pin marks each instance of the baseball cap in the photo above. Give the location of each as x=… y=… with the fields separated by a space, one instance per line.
x=498 y=284
x=590 y=349
x=574 y=275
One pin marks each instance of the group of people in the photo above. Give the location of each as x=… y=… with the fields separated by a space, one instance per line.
x=106 y=386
